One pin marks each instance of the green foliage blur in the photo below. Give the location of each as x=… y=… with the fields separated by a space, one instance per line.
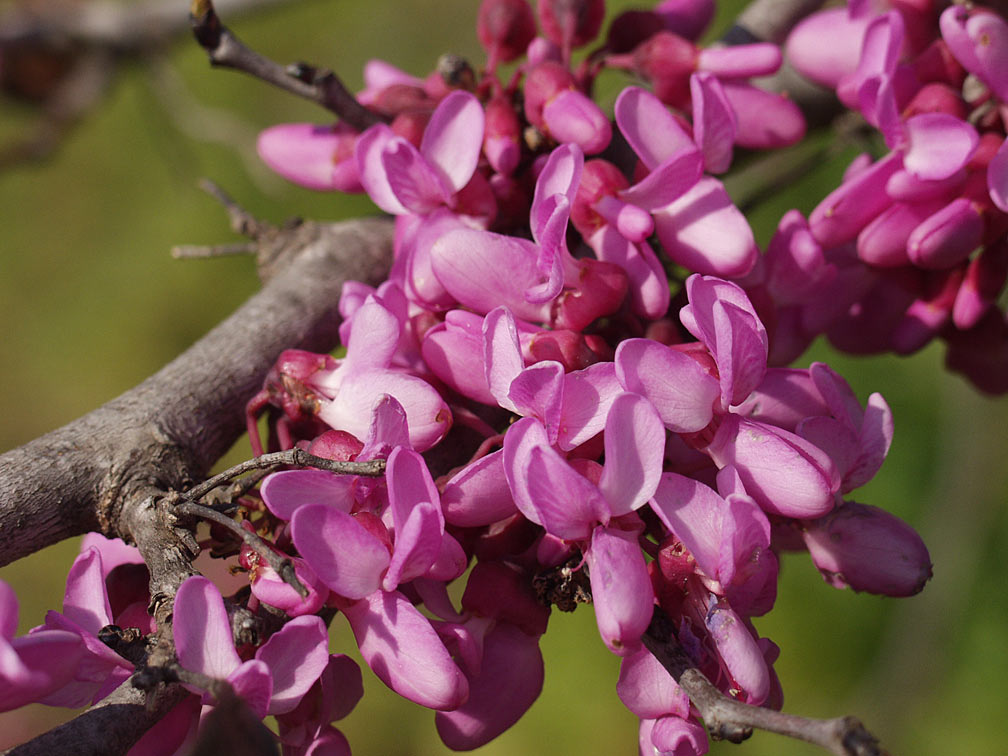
x=92 y=304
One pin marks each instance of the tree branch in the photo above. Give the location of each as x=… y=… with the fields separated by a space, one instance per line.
x=164 y=434
x=732 y=720
x=322 y=87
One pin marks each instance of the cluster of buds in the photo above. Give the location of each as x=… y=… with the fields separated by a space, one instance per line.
x=910 y=246
x=575 y=372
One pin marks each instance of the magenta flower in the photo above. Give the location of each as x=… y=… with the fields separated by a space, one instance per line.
x=401 y=179
x=283 y=669
x=35 y=666
x=697 y=223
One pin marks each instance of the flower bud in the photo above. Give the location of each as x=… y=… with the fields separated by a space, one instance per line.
x=571 y=23
x=868 y=549
x=505 y=28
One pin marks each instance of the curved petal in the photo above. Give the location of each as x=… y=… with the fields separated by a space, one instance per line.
x=202 y=631
x=86 y=601
x=283 y=492
x=634 y=452
x=681 y=391
x=368 y=154
x=938 y=145
x=649 y=127
x=509 y=681
x=714 y=122
x=454 y=136
x=478 y=494
x=405 y=652
x=296 y=656
x=621 y=589
x=345 y=555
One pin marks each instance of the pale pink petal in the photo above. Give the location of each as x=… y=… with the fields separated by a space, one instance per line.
x=740 y=61
x=368 y=155
x=412 y=180
x=634 y=452
x=587 y=396
x=468 y=263
x=405 y=652
x=693 y=513
x=37 y=665
x=502 y=356
x=570 y=116
x=86 y=600
x=740 y=652
x=938 y=145
x=649 y=289
x=417 y=545
x=283 y=492
x=764 y=120
x=373 y=338
x=202 y=631
x=316 y=157
x=714 y=122
x=673 y=736
x=478 y=494
x=681 y=391
x=826 y=64
x=345 y=555
x=454 y=136
x=840 y=217
x=545 y=488
x=253 y=683
x=668 y=181
x=295 y=656
x=868 y=549
x=647 y=689
x=538 y=392
x=783 y=472
x=705 y=232
x=997 y=177
x=649 y=127
x=427 y=413
x=621 y=589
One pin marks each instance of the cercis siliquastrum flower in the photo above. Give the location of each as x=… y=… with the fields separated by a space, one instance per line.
x=575 y=372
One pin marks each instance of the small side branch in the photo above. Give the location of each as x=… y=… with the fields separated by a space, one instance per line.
x=294 y=457
x=732 y=720
x=319 y=86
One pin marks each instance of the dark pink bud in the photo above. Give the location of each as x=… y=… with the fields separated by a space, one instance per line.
x=666 y=60
x=600 y=291
x=571 y=23
x=937 y=98
x=336 y=444
x=599 y=179
x=397 y=98
x=947 y=237
x=505 y=28
x=570 y=348
x=928 y=314
x=410 y=125
x=868 y=549
x=985 y=277
x=543 y=83
x=981 y=353
x=502 y=135
x=937 y=64
x=630 y=29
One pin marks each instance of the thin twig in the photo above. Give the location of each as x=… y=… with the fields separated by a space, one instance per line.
x=732 y=720
x=197 y=251
x=281 y=565
x=295 y=457
x=322 y=87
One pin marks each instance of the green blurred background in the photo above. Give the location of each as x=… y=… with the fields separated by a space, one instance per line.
x=93 y=304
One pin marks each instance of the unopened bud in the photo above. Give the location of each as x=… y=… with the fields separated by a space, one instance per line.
x=868 y=549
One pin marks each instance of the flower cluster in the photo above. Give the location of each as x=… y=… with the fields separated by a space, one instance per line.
x=912 y=243
x=575 y=372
